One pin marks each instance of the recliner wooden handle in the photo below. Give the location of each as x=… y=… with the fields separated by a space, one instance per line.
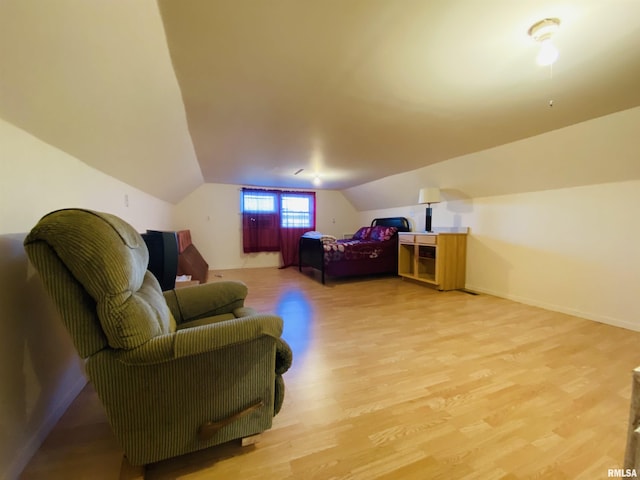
x=208 y=429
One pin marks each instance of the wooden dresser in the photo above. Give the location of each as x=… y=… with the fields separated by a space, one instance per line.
x=437 y=259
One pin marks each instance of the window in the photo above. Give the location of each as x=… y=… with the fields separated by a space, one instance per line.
x=273 y=220
x=296 y=211
x=296 y=208
x=264 y=202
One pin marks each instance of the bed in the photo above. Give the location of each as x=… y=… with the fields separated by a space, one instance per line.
x=372 y=250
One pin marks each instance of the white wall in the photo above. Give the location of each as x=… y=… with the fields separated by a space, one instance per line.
x=95 y=79
x=212 y=213
x=573 y=250
x=40 y=373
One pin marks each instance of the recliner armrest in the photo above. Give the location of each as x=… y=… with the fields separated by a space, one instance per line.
x=206 y=338
x=203 y=339
x=205 y=300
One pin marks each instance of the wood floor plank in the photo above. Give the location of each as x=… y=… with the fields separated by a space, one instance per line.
x=393 y=380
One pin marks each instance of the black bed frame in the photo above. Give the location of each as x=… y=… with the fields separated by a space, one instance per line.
x=311 y=250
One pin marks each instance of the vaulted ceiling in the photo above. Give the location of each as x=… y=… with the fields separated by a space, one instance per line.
x=171 y=94
x=357 y=90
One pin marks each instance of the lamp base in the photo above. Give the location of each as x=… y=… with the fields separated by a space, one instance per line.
x=427 y=220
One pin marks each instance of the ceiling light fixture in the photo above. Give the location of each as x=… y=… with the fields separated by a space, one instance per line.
x=542 y=32
x=317 y=181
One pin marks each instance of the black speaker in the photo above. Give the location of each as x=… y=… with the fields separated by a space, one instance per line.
x=163 y=257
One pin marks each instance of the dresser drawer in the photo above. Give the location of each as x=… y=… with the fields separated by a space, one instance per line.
x=427 y=239
x=406 y=238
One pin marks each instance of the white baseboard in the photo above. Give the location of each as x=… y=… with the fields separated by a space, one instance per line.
x=615 y=322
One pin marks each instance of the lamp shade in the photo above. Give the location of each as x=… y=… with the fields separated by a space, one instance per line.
x=429 y=195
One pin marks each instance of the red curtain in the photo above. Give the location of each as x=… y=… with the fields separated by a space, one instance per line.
x=289 y=241
x=290 y=234
x=279 y=230
x=260 y=232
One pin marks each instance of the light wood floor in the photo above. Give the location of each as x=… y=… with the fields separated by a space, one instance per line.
x=393 y=380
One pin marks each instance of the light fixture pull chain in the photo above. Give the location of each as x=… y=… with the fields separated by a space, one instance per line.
x=551 y=85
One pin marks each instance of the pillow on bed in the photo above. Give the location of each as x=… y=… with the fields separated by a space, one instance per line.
x=380 y=233
x=328 y=239
x=362 y=234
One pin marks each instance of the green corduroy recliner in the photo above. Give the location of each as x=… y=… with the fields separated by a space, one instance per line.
x=176 y=371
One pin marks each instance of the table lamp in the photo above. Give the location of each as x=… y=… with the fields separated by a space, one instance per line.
x=428 y=195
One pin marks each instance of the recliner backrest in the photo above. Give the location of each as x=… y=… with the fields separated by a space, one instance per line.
x=99 y=262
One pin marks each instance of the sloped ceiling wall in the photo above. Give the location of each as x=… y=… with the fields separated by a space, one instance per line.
x=602 y=150
x=94 y=79
x=359 y=90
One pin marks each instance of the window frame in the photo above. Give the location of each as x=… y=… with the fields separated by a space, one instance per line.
x=287 y=217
